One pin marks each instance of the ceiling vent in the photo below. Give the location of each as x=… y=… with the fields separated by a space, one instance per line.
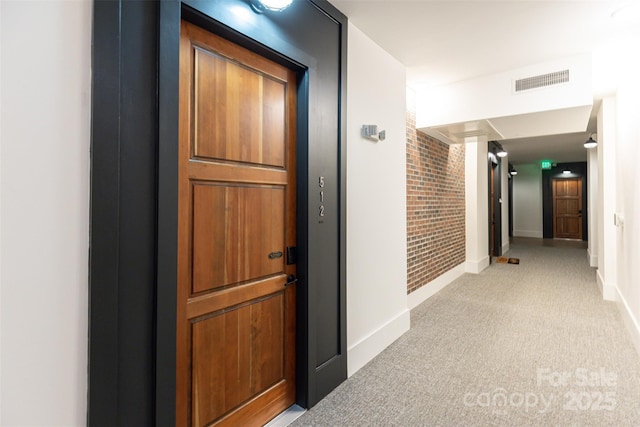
x=470 y=133
x=543 y=80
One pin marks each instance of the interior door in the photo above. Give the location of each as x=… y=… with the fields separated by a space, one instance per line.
x=567 y=208
x=236 y=292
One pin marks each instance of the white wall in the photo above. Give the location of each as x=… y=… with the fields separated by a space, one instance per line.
x=46 y=52
x=527 y=201
x=627 y=203
x=1 y=135
x=607 y=167
x=376 y=202
x=467 y=100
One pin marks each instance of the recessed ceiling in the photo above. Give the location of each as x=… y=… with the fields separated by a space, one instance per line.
x=557 y=148
x=442 y=42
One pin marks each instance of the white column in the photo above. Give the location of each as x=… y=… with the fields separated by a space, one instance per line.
x=592 y=204
x=607 y=233
x=477 y=205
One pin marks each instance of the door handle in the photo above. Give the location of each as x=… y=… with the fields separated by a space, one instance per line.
x=291 y=280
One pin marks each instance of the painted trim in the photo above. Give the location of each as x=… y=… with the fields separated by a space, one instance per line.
x=632 y=324
x=425 y=292
x=476 y=267
x=362 y=352
x=593 y=258
x=609 y=292
x=493 y=147
x=124 y=279
x=548 y=176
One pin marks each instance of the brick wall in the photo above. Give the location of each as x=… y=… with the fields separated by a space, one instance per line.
x=435 y=206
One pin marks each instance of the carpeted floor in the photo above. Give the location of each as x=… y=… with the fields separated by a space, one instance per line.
x=527 y=344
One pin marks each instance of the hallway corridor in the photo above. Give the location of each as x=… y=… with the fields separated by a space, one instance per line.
x=527 y=344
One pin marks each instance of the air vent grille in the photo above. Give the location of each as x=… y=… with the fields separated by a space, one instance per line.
x=543 y=80
x=471 y=133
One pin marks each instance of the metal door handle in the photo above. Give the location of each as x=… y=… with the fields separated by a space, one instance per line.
x=291 y=280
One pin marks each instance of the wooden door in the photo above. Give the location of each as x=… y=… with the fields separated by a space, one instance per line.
x=567 y=208
x=236 y=303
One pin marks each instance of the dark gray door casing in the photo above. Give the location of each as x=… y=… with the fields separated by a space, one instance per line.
x=134 y=170
x=578 y=170
x=493 y=148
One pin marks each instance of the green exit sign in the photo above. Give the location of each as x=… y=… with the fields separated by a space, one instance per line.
x=545 y=164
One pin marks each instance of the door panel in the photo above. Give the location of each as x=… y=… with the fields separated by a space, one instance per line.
x=234 y=220
x=239 y=112
x=226 y=376
x=567 y=208
x=236 y=310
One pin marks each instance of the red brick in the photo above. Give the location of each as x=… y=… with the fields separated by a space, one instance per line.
x=435 y=206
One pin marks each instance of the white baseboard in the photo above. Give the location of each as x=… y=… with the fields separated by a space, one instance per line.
x=593 y=258
x=476 y=267
x=370 y=346
x=527 y=233
x=420 y=295
x=632 y=324
x=609 y=291
x=505 y=248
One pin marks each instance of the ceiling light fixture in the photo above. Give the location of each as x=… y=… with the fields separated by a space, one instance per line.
x=566 y=172
x=591 y=143
x=272 y=5
x=502 y=153
x=514 y=172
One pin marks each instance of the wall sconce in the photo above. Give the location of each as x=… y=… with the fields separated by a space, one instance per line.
x=495 y=149
x=371 y=132
x=259 y=6
x=591 y=143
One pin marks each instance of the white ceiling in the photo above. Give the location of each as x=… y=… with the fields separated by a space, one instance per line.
x=442 y=42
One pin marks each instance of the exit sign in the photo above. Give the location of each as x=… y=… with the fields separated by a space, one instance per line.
x=545 y=164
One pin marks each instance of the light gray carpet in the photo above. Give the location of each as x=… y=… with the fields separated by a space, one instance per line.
x=510 y=346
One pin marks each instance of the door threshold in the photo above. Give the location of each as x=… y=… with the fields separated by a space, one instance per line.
x=287 y=417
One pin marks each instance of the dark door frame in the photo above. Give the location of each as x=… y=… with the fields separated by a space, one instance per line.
x=554 y=203
x=134 y=196
x=510 y=192
x=578 y=170
x=493 y=159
